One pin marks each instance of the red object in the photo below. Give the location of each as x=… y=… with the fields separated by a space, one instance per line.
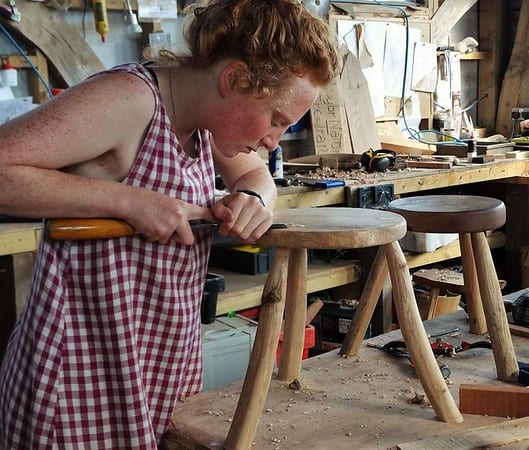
x=250 y=313
x=56 y=91
x=309 y=342
x=7 y=65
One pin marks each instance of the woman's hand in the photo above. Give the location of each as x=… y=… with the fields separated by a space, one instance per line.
x=160 y=218
x=243 y=216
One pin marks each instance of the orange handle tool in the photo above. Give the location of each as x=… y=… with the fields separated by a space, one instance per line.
x=70 y=229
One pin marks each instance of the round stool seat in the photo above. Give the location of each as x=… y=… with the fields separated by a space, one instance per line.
x=334 y=228
x=450 y=213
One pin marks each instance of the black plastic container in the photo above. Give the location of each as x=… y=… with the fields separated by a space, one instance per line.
x=208 y=309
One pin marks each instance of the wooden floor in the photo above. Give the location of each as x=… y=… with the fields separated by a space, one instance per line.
x=373 y=401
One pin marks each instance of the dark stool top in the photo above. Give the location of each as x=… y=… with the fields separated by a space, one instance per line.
x=450 y=213
x=330 y=228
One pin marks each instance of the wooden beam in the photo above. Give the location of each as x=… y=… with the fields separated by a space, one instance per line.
x=62 y=44
x=490 y=436
x=514 y=91
x=499 y=400
x=447 y=16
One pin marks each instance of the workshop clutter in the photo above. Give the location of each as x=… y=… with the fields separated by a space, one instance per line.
x=248 y=259
x=208 y=308
x=447 y=302
x=332 y=323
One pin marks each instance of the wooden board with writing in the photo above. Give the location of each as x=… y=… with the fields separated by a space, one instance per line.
x=329 y=128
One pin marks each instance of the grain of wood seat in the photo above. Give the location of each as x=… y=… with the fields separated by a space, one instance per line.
x=284 y=293
x=470 y=216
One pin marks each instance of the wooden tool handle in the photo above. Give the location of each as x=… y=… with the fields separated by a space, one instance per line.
x=71 y=229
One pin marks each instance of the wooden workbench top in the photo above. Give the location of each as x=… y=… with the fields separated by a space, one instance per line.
x=19 y=237
x=365 y=402
x=23 y=237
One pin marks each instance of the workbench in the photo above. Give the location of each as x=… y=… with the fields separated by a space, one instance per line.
x=243 y=291
x=373 y=401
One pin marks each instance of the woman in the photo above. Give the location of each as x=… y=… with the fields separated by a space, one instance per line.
x=109 y=340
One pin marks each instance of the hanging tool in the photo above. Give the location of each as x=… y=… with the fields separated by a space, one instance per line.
x=101 y=18
x=71 y=229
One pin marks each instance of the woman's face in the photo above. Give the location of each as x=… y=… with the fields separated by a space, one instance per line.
x=248 y=123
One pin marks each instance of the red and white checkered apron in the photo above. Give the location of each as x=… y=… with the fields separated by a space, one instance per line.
x=110 y=337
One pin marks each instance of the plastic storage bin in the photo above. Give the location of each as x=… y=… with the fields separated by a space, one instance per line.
x=226 y=347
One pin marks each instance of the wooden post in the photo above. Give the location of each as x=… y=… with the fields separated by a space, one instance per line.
x=497 y=325
x=416 y=339
x=295 y=316
x=261 y=364
x=477 y=323
x=366 y=305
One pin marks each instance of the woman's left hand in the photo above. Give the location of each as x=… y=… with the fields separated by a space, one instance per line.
x=243 y=216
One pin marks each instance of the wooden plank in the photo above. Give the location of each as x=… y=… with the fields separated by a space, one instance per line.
x=244 y=291
x=447 y=252
x=491 y=26
x=519 y=330
x=311 y=198
x=482 y=437
x=329 y=127
x=62 y=44
x=358 y=107
x=447 y=16
x=500 y=400
x=19 y=237
x=513 y=92
x=429 y=164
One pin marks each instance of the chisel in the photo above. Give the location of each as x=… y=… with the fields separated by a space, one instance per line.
x=71 y=229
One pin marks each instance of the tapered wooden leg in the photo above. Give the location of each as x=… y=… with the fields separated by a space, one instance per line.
x=295 y=315
x=476 y=316
x=416 y=339
x=366 y=305
x=262 y=359
x=498 y=327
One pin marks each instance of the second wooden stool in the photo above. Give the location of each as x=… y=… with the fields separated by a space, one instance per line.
x=470 y=216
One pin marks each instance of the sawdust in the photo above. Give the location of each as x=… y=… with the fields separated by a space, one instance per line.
x=352 y=176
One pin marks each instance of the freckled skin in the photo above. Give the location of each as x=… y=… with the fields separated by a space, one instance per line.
x=64 y=158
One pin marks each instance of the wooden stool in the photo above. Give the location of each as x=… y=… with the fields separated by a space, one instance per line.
x=470 y=216
x=322 y=228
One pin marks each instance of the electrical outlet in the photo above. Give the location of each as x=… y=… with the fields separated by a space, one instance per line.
x=520 y=113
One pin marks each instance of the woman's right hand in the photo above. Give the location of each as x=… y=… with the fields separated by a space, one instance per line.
x=160 y=218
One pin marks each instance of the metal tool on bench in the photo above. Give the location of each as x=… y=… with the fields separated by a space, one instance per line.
x=70 y=229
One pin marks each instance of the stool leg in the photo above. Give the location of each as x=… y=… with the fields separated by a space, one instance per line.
x=500 y=336
x=295 y=315
x=416 y=339
x=366 y=305
x=476 y=316
x=261 y=365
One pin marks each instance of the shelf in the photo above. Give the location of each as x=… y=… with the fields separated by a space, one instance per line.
x=449 y=251
x=244 y=291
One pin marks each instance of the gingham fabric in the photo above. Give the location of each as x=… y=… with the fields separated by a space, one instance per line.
x=109 y=340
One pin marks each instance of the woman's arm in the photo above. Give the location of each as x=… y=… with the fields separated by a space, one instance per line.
x=243 y=215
